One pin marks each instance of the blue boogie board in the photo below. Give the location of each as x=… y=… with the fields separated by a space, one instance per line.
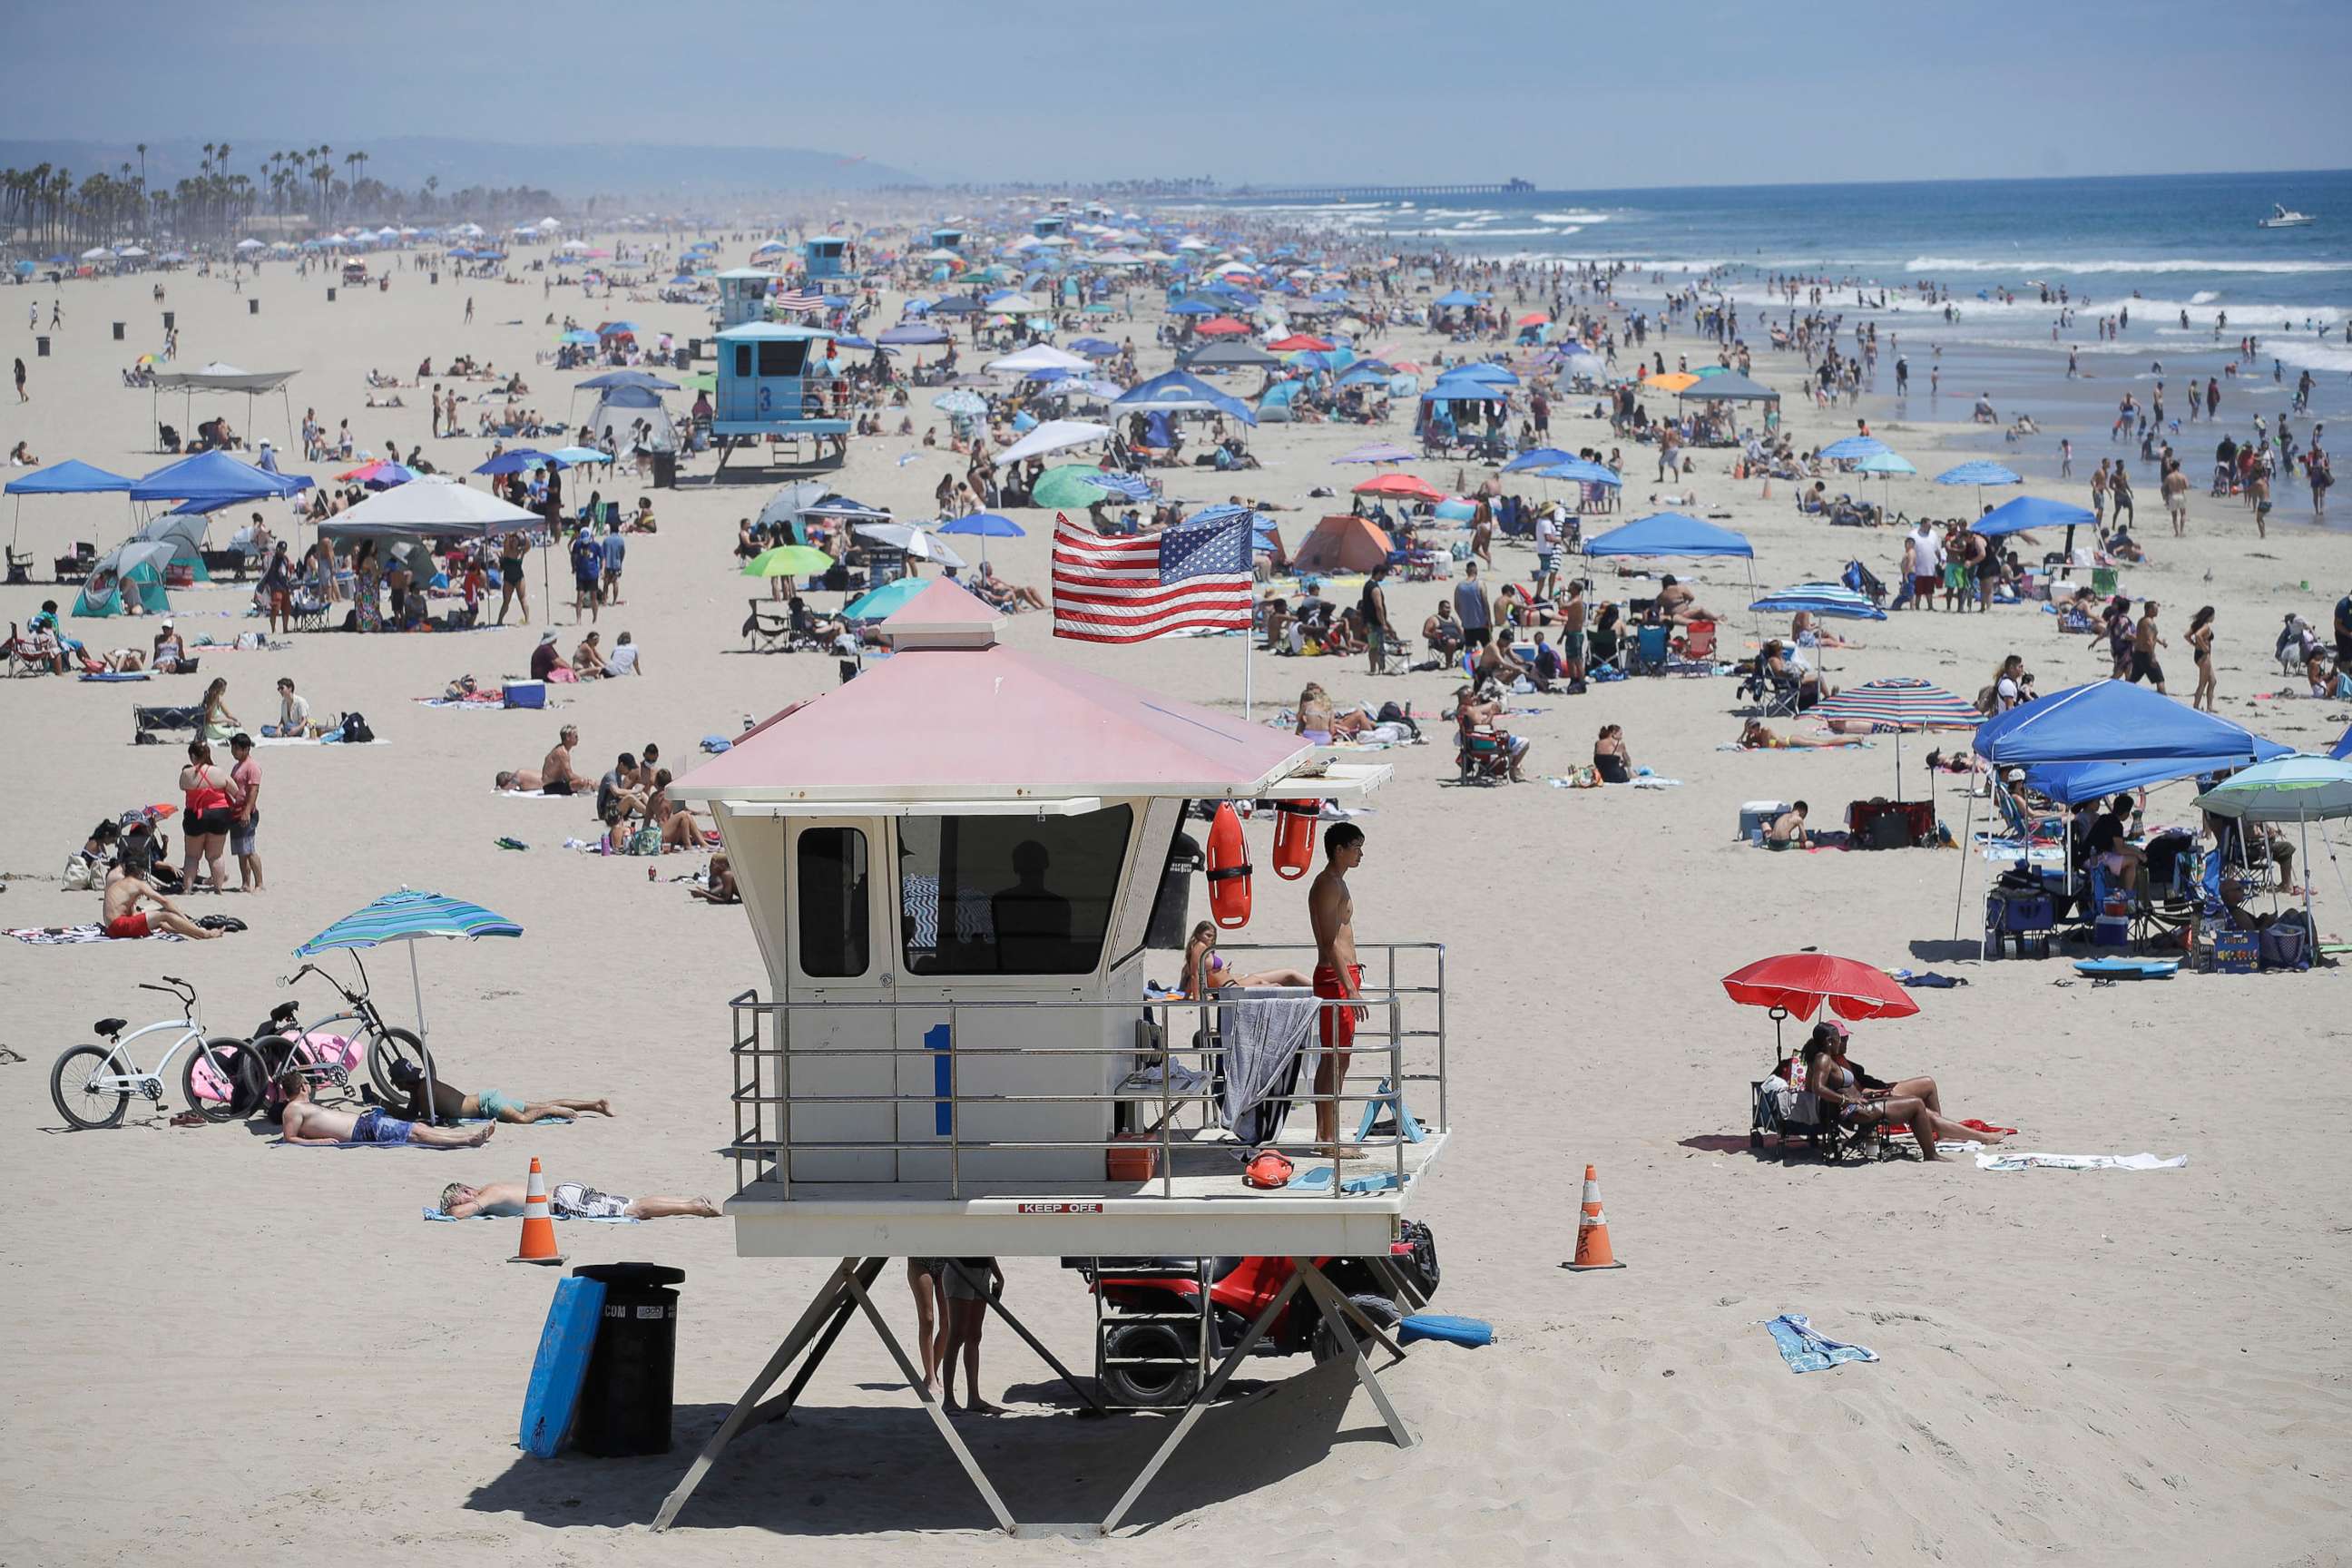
x=2127 y=968
x=1451 y=1330
x=561 y=1366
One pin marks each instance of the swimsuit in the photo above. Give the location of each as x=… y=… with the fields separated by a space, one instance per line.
x=127 y=927
x=1338 y=1025
x=374 y=1127
x=495 y=1105
x=574 y=1200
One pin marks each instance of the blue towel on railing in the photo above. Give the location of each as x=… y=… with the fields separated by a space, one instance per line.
x=1806 y=1350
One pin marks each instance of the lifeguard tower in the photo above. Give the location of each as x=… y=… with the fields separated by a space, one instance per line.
x=959 y=867
x=776 y=381
x=1046 y=226
x=743 y=296
x=947 y=238
x=826 y=257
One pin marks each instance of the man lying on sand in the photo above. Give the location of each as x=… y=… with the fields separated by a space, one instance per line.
x=568 y=1200
x=304 y=1120
x=491 y=1105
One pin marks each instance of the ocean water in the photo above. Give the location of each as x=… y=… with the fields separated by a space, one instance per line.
x=2164 y=246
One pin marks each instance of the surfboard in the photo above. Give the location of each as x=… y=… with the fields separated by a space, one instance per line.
x=561 y=1366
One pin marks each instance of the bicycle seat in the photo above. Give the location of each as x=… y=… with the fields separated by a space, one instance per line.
x=110 y=1027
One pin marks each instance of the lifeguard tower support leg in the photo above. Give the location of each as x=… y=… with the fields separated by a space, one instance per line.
x=914 y=1377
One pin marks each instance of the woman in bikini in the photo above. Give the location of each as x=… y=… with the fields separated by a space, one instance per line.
x=1758 y=736
x=1611 y=760
x=1206 y=970
x=2200 y=640
x=1913 y=1101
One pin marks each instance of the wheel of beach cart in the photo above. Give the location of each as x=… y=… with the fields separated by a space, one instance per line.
x=386 y=1049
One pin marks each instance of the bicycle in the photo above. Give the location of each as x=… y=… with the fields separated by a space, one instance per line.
x=92 y=1085
x=386 y=1046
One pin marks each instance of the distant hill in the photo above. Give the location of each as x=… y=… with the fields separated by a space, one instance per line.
x=572 y=172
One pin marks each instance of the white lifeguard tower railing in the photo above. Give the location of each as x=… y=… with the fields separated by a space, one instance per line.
x=957 y=867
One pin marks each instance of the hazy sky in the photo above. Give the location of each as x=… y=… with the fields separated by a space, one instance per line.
x=1583 y=95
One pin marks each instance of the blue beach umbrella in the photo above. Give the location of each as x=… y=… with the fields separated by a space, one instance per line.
x=520 y=460
x=1979 y=473
x=1854 y=448
x=1538 y=458
x=1822 y=599
x=1128 y=487
x=406 y=916
x=880 y=604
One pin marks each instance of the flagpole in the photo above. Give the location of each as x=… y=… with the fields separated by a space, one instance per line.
x=1249 y=668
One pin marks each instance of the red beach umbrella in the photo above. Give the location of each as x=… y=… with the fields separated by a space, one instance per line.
x=1300 y=340
x=1801 y=982
x=1221 y=327
x=1411 y=486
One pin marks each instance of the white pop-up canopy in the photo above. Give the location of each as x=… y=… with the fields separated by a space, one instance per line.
x=1039 y=357
x=433 y=504
x=1054 y=436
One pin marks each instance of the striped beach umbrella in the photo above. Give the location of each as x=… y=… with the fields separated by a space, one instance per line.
x=1822 y=599
x=407 y=915
x=1901 y=704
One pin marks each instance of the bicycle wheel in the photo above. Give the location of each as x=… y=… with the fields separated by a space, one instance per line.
x=223 y=1080
x=79 y=1098
x=387 y=1047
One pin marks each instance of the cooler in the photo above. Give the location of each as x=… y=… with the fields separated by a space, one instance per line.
x=1757 y=815
x=526 y=693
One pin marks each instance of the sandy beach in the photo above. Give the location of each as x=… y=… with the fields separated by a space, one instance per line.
x=230 y=1350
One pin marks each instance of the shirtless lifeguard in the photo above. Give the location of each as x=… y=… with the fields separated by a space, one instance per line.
x=1338 y=976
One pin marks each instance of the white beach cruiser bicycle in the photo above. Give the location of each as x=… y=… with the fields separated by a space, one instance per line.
x=92 y=1084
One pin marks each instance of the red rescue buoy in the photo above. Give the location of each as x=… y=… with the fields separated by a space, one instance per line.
x=1229 y=870
x=1294 y=836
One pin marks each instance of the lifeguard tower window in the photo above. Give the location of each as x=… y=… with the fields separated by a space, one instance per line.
x=834 y=917
x=1009 y=895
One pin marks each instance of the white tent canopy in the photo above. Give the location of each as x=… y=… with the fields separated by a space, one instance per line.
x=434 y=504
x=1054 y=436
x=219 y=377
x=1042 y=356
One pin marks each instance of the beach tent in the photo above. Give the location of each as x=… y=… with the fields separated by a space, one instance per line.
x=138 y=565
x=70 y=478
x=1730 y=386
x=621 y=408
x=1054 y=436
x=435 y=505
x=1273 y=407
x=218 y=478
x=1344 y=543
x=226 y=378
x=783 y=509
x=2343 y=748
x=1037 y=357
x=1230 y=356
x=184 y=533
x=1669 y=534
x=1178 y=392
x=2027 y=513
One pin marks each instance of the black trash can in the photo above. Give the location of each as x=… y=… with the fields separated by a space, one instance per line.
x=331 y=296
x=436 y=277
x=170 y=319
x=624 y=1401
x=665 y=470
x=41 y=346
x=253 y=307
x=693 y=353
x=118 y=332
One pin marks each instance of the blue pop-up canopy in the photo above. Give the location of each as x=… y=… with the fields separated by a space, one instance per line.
x=1457 y=301
x=70 y=478
x=1178 y=393
x=215 y=476
x=2029 y=512
x=2343 y=747
x=1669 y=534
x=2116 y=722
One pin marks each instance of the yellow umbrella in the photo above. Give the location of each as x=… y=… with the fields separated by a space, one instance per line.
x=788 y=561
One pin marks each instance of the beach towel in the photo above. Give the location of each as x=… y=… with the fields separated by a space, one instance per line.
x=57 y=936
x=1804 y=1349
x=1264 y=1040
x=1318 y=1180
x=116 y=675
x=439 y=1218
x=327 y=740
x=1930 y=981
x=2007 y=1161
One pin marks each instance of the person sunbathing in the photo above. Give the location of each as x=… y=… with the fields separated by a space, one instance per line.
x=304 y=1120
x=1206 y=970
x=454 y=1104
x=567 y=1200
x=1759 y=736
x=522 y=780
x=1677 y=602
x=125 y=920
x=1840 y=1084
x=679 y=830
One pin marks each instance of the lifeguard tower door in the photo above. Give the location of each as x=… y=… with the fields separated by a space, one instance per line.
x=840 y=952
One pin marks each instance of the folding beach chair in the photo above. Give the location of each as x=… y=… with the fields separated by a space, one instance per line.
x=1649 y=649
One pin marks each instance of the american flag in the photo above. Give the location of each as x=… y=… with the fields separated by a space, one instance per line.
x=1195 y=575
x=798 y=300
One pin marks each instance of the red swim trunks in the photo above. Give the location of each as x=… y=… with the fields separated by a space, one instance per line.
x=132 y=925
x=1338 y=1024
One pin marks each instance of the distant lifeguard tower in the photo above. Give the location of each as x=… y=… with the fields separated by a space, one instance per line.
x=947 y=236
x=774 y=380
x=826 y=257
x=958 y=867
x=1046 y=226
x=743 y=296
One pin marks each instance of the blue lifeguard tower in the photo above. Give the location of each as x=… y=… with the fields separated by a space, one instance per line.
x=775 y=381
x=826 y=257
x=743 y=296
x=1049 y=225
x=947 y=238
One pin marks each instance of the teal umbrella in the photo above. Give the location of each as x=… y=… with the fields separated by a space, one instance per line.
x=877 y=604
x=407 y=915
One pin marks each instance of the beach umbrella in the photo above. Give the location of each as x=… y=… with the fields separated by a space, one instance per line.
x=959 y=401
x=1127 y=487
x=579 y=336
x=409 y=916
x=518 y=460
x=1094 y=348
x=1070 y=487
x=1378 y=452
x=1583 y=471
x=789 y=561
x=1538 y=458
x=1054 y=436
x=2299 y=789
x=1297 y=340
x=1901 y=704
x=1854 y=448
x=1885 y=465
x=1408 y=486
x=1799 y=983
x=612 y=378
x=1672 y=380
x=1822 y=599
x=572 y=456
x=913 y=334
x=880 y=604
x=985 y=525
x=1979 y=474
x=913 y=541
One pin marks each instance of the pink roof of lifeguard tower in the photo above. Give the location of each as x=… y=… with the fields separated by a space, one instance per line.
x=954 y=716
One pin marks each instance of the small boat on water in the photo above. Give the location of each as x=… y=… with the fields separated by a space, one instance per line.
x=2283 y=217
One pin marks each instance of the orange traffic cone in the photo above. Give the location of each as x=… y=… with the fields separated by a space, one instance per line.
x=539 y=1225
x=1592 y=1231
x=1768 y=486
